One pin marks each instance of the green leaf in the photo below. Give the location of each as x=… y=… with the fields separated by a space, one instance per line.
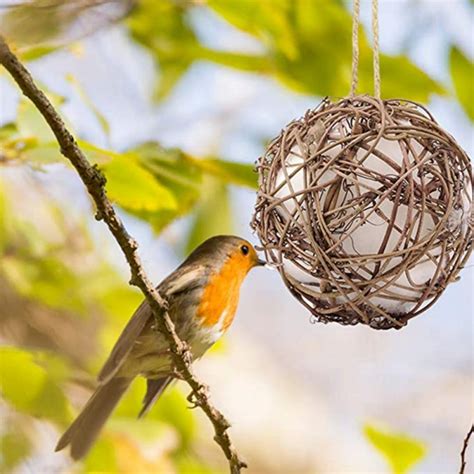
x=135 y=188
x=400 y=78
x=43 y=397
x=213 y=215
x=102 y=457
x=32 y=124
x=462 y=75
x=162 y=28
x=35 y=52
x=172 y=409
x=187 y=464
x=178 y=173
x=309 y=49
x=401 y=451
x=7 y=131
x=89 y=103
x=245 y=62
x=14 y=447
x=46 y=279
x=30 y=137
x=241 y=174
x=268 y=20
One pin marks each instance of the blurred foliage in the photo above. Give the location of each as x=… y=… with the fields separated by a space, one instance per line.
x=306 y=45
x=63 y=302
x=462 y=72
x=400 y=451
x=56 y=344
x=151 y=182
x=44 y=397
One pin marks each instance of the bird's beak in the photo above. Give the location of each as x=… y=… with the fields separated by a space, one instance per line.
x=261 y=262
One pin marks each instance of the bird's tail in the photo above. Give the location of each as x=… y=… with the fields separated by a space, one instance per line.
x=86 y=427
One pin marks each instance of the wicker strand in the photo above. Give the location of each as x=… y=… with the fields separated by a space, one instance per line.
x=355 y=48
x=364 y=207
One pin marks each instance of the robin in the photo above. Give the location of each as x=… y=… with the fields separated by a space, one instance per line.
x=202 y=295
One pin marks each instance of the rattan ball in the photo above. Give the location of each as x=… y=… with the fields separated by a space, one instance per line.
x=365 y=208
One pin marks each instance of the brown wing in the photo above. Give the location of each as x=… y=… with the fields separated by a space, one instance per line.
x=185 y=278
x=125 y=342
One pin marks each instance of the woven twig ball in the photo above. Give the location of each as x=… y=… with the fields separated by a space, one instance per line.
x=365 y=208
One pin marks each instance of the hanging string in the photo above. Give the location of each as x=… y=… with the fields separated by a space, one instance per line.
x=375 y=47
x=375 y=33
x=355 y=47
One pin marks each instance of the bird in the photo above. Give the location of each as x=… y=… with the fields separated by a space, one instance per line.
x=202 y=295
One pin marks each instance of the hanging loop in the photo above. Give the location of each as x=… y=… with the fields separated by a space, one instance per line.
x=375 y=47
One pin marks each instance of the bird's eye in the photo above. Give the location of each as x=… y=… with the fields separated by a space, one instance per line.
x=244 y=249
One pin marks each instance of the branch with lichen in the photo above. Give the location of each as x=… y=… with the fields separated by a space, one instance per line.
x=94 y=182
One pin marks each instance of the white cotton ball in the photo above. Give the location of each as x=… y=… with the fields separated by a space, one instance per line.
x=366 y=239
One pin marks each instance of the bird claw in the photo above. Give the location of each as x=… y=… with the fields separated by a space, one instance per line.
x=191 y=398
x=176 y=374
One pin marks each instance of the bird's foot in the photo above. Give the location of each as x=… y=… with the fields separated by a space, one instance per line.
x=193 y=398
x=177 y=374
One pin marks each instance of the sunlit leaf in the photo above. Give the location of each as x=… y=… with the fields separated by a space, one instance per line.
x=42 y=154
x=31 y=123
x=30 y=138
x=14 y=447
x=269 y=20
x=43 y=397
x=119 y=453
x=45 y=279
x=180 y=176
x=400 y=78
x=171 y=409
x=162 y=28
x=401 y=451
x=102 y=457
x=187 y=464
x=8 y=130
x=36 y=52
x=241 y=174
x=89 y=103
x=309 y=49
x=213 y=216
x=258 y=64
x=462 y=75
x=135 y=188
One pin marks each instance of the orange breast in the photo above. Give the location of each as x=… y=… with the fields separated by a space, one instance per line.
x=222 y=293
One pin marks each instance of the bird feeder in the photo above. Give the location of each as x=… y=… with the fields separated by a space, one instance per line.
x=365 y=208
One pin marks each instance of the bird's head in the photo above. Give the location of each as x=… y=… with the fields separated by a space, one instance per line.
x=227 y=250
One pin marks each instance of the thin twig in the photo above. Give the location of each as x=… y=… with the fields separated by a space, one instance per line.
x=464 y=449
x=95 y=181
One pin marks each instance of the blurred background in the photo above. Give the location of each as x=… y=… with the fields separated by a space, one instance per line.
x=175 y=100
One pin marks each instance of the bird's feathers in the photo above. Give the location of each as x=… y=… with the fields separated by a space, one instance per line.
x=154 y=388
x=183 y=279
x=83 y=432
x=125 y=342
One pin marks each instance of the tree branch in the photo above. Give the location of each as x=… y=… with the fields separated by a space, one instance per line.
x=464 y=449
x=95 y=181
